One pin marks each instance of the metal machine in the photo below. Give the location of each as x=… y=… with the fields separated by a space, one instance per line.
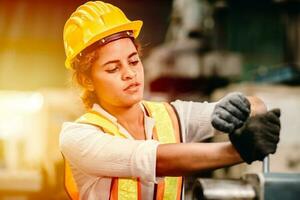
x=261 y=186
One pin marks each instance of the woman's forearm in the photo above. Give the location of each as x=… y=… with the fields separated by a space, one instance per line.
x=257 y=105
x=189 y=158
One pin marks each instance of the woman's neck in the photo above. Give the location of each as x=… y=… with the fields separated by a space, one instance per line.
x=131 y=118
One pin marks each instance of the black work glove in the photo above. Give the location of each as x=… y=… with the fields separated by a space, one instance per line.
x=258 y=137
x=231 y=112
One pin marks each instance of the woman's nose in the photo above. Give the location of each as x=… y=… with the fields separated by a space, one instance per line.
x=128 y=73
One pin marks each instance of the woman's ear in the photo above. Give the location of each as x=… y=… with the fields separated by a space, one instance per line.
x=87 y=83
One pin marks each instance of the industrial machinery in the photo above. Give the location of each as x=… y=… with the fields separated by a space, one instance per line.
x=261 y=186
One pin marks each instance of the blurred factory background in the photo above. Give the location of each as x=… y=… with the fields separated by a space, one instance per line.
x=192 y=50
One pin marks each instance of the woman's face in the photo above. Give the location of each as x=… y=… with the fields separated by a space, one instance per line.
x=118 y=75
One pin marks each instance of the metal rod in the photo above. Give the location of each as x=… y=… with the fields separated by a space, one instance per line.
x=266 y=164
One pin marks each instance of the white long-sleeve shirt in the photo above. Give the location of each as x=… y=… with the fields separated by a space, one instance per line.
x=95 y=156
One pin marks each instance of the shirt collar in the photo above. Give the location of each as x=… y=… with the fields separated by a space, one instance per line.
x=99 y=109
x=149 y=122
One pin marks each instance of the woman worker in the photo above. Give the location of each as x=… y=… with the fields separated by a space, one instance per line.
x=127 y=148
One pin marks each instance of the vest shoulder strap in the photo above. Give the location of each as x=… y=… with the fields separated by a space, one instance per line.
x=96 y=119
x=166 y=121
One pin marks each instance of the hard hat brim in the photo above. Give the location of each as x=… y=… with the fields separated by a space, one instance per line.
x=134 y=26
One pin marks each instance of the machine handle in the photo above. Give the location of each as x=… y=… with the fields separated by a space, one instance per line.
x=266 y=165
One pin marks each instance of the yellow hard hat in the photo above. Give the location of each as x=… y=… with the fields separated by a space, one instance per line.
x=94 y=21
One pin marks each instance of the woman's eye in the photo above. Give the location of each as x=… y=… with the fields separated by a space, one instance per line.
x=112 y=70
x=135 y=62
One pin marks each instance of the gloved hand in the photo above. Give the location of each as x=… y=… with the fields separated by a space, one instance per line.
x=231 y=112
x=258 y=137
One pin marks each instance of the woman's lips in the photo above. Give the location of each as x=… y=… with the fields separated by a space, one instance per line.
x=132 y=86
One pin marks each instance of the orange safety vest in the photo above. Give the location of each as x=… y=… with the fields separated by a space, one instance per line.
x=166 y=130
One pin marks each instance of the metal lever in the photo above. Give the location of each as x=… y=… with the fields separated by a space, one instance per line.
x=266 y=165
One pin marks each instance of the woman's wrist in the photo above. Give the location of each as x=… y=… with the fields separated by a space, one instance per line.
x=257 y=105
